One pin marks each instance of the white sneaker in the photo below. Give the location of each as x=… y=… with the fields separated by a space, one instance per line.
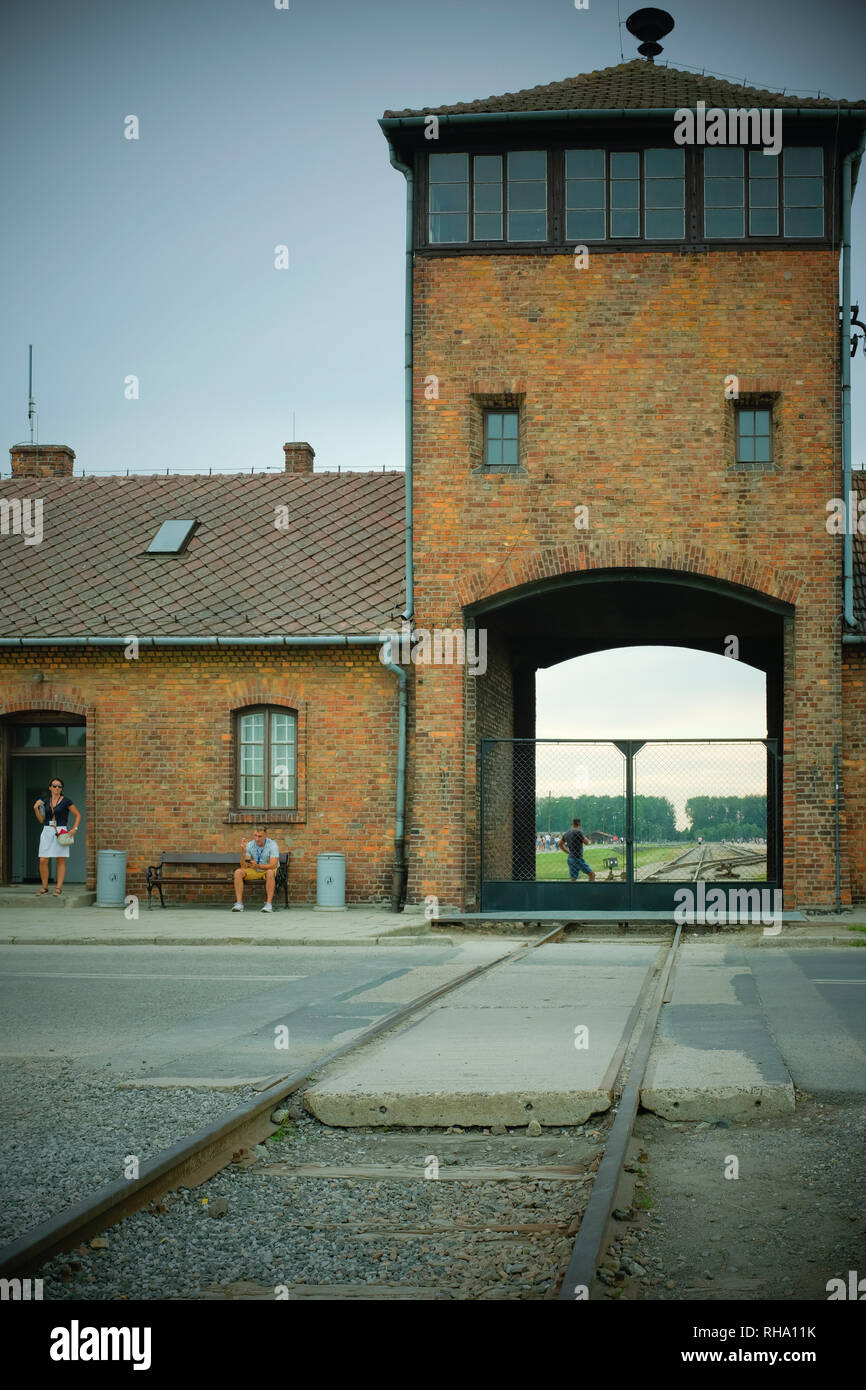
x=238 y=907
x=268 y=907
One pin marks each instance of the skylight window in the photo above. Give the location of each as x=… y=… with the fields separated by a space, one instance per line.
x=171 y=538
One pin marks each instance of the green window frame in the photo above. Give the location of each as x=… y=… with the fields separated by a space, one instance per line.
x=737 y=195
x=754 y=434
x=603 y=195
x=266 y=742
x=501 y=439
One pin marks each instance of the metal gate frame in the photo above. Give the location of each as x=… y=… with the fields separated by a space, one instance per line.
x=545 y=895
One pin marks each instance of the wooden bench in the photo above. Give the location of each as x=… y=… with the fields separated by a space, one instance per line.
x=157 y=878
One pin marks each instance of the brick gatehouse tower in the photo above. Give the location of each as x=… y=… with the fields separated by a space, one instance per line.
x=628 y=423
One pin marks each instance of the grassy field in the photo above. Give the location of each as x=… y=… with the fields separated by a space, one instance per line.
x=555 y=865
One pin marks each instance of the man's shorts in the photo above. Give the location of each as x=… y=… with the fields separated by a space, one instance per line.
x=255 y=873
x=576 y=866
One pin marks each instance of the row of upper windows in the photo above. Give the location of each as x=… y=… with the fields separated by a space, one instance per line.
x=613 y=195
x=754 y=437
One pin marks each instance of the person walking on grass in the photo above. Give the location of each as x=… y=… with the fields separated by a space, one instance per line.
x=572 y=842
x=52 y=812
x=260 y=858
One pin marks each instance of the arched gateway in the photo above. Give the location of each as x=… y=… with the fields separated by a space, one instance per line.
x=638 y=788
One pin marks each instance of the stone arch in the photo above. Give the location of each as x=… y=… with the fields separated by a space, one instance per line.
x=523 y=569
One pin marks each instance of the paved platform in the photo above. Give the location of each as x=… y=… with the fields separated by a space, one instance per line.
x=209 y=926
x=713 y=1055
x=502 y=1049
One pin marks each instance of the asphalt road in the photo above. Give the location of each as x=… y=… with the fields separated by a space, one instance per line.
x=815 y=1005
x=208 y=1012
x=212 y=1013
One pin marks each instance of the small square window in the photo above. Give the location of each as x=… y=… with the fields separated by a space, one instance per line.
x=500 y=439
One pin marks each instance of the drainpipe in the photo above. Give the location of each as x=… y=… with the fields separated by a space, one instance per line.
x=844 y=347
x=407 y=371
x=401 y=867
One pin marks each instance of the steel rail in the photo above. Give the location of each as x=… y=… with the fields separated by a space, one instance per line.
x=587 y=1249
x=209 y=1149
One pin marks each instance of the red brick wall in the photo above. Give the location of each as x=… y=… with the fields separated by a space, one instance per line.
x=160 y=760
x=621 y=370
x=854 y=766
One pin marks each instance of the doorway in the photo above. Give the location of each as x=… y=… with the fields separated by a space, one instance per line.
x=39 y=751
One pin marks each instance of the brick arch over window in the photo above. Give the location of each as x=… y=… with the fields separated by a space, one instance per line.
x=247 y=696
x=684 y=557
x=71 y=703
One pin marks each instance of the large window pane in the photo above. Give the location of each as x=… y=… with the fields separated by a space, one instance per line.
x=448 y=168
x=804 y=222
x=764 y=222
x=449 y=197
x=488 y=197
x=624 y=166
x=584 y=164
x=624 y=193
x=722 y=162
x=488 y=226
x=527 y=164
x=449 y=226
x=487 y=193
x=668 y=224
x=804 y=160
x=664 y=163
x=527 y=226
x=624 y=224
x=524 y=197
x=724 y=222
x=723 y=193
x=488 y=168
x=584 y=193
x=584 y=226
x=664 y=193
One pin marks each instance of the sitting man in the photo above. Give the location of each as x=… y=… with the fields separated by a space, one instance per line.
x=260 y=858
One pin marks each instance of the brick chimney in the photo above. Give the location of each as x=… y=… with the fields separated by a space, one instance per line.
x=41 y=460
x=299 y=458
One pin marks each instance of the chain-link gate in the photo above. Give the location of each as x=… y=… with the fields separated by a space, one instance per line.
x=657 y=813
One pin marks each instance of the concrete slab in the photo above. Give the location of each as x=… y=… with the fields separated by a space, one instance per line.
x=502 y=1049
x=714 y=1056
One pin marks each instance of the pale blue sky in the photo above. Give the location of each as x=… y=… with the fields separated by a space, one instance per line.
x=258 y=127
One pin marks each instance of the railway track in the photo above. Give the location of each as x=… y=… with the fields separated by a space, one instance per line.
x=717 y=861
x=490 y=1217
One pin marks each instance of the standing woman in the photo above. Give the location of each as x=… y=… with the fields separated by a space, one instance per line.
x=56 y=837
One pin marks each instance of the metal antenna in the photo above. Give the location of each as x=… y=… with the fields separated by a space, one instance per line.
x=31 y=404
x=294 y=436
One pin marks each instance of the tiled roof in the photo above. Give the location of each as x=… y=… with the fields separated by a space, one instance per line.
x=636 y=85
x=858 y=483
x=338 y=567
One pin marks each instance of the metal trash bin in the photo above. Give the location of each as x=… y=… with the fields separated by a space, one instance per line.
x=111 y=878
x=331 y=882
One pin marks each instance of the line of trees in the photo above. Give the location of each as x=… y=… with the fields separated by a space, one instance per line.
x=728 y=817
x=713 y=817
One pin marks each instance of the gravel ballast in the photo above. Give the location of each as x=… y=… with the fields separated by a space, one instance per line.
x=66 y=1134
